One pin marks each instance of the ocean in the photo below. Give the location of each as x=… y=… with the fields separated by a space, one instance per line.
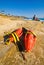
x=41 y=19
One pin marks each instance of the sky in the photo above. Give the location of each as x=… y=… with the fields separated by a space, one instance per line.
x=23 y=7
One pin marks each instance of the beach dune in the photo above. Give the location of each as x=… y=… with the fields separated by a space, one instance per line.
x=9 y=55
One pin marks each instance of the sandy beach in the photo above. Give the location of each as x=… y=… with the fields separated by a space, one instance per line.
x=9 y=55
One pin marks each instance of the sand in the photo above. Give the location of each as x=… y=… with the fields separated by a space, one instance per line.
x=9 y=55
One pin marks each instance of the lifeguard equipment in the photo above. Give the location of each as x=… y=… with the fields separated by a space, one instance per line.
x=14 y=36
x=7 y=42
x=29 y=40
x=25 y=38
x=19 y=32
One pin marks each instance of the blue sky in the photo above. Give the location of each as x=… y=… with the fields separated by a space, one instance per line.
x=23 y=7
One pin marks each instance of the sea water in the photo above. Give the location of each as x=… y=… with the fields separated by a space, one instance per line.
x=41 y=19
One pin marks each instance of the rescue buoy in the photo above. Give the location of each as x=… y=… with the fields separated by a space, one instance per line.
x=29 y=41
x=19 y=32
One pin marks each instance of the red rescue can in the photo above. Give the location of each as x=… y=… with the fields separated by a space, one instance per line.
x=19 y=32
x=29 y=41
